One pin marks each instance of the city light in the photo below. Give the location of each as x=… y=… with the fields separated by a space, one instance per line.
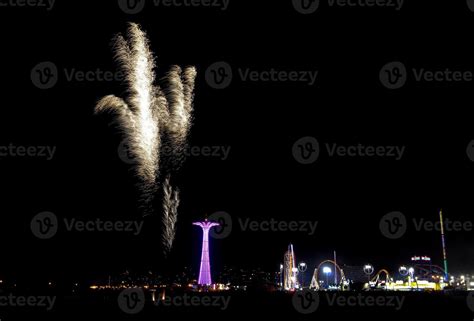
x=290 y=281
x=403 y=270
x=302 y=267
x=368 y=269
x=422 y=275
x=327 y=270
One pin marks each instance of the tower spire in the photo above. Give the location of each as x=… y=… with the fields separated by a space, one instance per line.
x=205 y=268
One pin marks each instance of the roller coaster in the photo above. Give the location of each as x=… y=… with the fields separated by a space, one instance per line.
x=421 y=278
x=421 y=275
x=343 y=283
x=315 y=283
x=378 y=282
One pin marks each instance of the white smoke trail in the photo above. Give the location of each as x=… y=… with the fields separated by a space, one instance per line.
x=148 y=113
x=170 y=214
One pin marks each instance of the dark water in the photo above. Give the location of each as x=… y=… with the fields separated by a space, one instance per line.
x=264 y=305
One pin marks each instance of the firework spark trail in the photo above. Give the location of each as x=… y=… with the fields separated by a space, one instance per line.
x=179 y=98
x=180 y=88
x=170 y=214
x=148 y=113
x=138 y=116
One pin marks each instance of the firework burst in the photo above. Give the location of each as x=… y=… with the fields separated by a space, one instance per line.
x=150 y=113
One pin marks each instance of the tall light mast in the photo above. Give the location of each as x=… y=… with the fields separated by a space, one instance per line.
x=443 y=243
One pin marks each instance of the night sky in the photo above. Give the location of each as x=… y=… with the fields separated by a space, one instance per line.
x=259 y=121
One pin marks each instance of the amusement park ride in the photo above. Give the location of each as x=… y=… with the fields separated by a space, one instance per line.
x=420 y=275
x=416 y=277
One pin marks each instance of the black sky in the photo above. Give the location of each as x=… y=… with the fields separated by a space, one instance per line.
x=259 y=121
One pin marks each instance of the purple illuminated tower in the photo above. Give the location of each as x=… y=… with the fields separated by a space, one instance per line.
x=205 y=270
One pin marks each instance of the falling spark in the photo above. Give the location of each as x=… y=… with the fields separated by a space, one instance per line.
x=150 y=113
x=170 y=214
x=180 y=88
